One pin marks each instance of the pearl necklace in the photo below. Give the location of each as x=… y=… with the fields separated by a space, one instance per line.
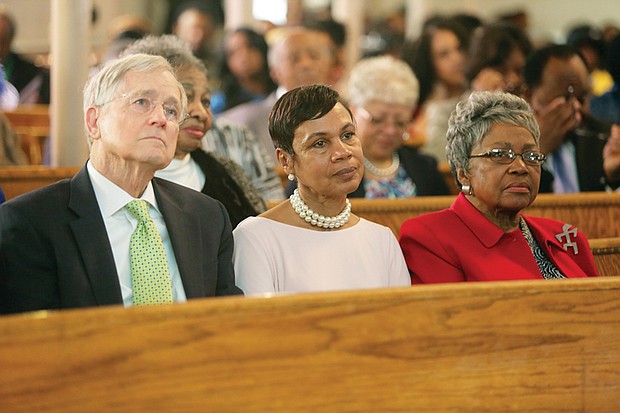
x=383 y=171
x=315 y=219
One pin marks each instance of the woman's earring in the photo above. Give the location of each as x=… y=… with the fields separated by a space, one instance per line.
x=405 y=136
x=291 y=177
x=466 y=189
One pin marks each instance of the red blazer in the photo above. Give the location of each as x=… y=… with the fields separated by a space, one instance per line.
x=461 y=244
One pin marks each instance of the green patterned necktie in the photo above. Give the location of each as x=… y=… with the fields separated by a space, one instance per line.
x=150 y=275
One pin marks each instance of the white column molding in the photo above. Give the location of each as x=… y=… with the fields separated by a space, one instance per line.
x=352 y=14
x=238 y=13
x=70 y=50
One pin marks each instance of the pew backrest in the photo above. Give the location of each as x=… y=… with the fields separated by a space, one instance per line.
x=596 y=214
x=519 y=346
x=606 y=253
x=16 y=180
x=32 y=125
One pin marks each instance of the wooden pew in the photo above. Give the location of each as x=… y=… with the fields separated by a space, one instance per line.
x=596 y=214
x=446 y=173
x=606 y=253
x=32 y=125
x=520 y=346
x=16 y=180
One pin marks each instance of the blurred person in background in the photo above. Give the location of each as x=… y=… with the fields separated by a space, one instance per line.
x=11 y=152
x=557 y=87
x=244 y=72
x=438 y=60
x=299 y=57
x=382 y=93
x=32 y=82
x=198 y=22
x=607 y=106
x=496 y=58
x=589 y=41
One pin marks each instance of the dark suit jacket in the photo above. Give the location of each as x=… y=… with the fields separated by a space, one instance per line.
x=55 y=252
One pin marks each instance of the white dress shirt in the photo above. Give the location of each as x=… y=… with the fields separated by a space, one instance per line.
x=120 y=224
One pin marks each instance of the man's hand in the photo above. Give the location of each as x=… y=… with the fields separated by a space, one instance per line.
x=555 y=120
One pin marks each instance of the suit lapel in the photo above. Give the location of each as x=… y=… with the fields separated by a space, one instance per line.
x=92 y=241
x=185 y=238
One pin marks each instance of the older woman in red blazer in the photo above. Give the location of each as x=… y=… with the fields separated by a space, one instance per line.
x=494 y=152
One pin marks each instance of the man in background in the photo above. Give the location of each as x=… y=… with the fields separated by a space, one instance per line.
x=32 y=82
x=299 y=57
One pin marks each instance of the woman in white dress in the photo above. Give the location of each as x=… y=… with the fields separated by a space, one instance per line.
x=312 y=242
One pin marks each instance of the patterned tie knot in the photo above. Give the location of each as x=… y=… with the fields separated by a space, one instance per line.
x=139 y=209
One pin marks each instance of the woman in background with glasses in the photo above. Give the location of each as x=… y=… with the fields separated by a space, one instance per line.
x=494 y=152
x=382 y=94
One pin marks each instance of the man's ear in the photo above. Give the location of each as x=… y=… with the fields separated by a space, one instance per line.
x=91 y=119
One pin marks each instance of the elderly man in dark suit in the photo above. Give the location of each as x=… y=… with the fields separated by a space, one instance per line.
x=93 y=240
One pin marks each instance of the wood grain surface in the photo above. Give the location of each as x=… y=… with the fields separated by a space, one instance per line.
x=521 y=346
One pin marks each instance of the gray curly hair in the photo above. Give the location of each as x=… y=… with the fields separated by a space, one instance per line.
x=384 y=79
x=473 y=118
x=176 y=51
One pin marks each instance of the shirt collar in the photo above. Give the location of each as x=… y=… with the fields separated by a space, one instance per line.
x=111 y=198
x=487 y=232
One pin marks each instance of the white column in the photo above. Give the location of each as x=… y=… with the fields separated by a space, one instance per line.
x=70 y=49
x=416 y=12
x=351 y=13
x=238 y=13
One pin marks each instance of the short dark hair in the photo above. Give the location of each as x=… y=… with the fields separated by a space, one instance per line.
x=538 y=60
x=297 y=106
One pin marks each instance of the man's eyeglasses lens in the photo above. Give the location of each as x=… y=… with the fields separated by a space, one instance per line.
x=143 y=104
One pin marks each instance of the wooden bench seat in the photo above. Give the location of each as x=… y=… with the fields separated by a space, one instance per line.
x=520 y=346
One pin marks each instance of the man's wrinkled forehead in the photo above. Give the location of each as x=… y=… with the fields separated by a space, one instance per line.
x=309 y=42
x=564 y=75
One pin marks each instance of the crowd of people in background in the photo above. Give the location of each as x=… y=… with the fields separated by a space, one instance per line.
x=250 y=67
x=268 y=104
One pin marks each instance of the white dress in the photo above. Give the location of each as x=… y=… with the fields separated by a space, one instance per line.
x=272 y=257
